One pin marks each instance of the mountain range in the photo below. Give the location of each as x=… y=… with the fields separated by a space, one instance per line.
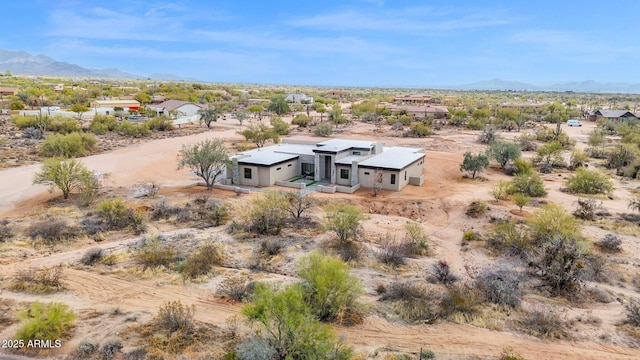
x=24 y=63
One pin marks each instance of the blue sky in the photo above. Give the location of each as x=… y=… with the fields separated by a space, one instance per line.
x=341 y=43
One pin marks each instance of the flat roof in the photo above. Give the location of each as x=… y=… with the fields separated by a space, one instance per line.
x=348 y=160
x=337 y=145
x=300 y=149
x=265 y=157
x=396 y=157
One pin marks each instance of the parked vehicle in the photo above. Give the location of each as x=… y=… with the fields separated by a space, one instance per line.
x=574 y=122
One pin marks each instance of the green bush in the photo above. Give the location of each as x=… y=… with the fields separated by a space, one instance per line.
x=475 y=124
x=17 y=105
x=23 y=122
x=460 y=299
x=578 y=158
x=101 y=124
x=503 y=152
x=509 y=237
x=323 y=130
x=528 y=183
x=420 y=129
x=500 y=191
x=160 y=124
x=331 y=291
x=268 y=213
x=155 y=253
x=67 y=146
x=345 y=220
x=127 y=128
x=476 y=208
x=301 y=120
x=116 y=215
x=589 y=182
x=64 y=125
x=52 y=321
x=280 y=126
x=552 y=221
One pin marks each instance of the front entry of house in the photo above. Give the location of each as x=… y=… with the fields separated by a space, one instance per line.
x=327 y=168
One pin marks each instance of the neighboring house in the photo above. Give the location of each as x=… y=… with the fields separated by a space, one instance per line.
x=6 y=90
x=420 y=111
x=180 y=108
x=346 y=164
x=107 y=106
x=413 y=99
x=299 y=98
x=613 y=115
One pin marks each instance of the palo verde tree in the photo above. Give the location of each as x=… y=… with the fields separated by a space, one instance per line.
x=260 y=134
x=279 y=105
x=503 y=152
x=206 y=159
x=66 y=175
x=474 y=163
x=209 y=115
x=345 y=220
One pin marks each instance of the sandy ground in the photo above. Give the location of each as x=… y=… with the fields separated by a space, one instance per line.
x=439 y=205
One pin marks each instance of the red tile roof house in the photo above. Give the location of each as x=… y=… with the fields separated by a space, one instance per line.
x=6 y=90
x=340 y=165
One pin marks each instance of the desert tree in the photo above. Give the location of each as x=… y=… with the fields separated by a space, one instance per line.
x=209 y=115
x=79 y=109
x=279 y=105
x=521 y=199
x=257 y=110
x=474 y=164
x=298 y=202
x=241 y=116
x=345 y=220
x=206 y=159
x=503 y=152
x=66 y=175
x=320 y=109
x=260 y=134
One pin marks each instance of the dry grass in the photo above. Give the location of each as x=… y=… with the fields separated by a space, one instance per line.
x=44 y=280
x=620 y=227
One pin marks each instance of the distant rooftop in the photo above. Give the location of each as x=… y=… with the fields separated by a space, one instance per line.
x=337 y=145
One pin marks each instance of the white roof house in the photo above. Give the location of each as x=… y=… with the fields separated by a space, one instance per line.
x=341 y=162
x=299 y=98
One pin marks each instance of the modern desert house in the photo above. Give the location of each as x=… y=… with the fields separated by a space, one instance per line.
x=342 y=164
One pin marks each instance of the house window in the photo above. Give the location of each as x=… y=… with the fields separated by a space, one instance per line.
x=405 y=175
x=356 y=153
x=393 y=179
x=289 y=165
x=278 y=169
x=344 y=173
x=366 y=173
x=247 y=173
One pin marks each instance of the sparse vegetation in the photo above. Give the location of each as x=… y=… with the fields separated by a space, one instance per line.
x=545 y=324
x=154 y=253
x=66 y=175
x=344 y=220
x=68 y=146
x=442 y=273
x=39 y=321
x=45 y=280
x=500 y=287
x=476 y=208
x=173 y=316
x=412 y=302
x=235 y=287
x=50 y=230
x=323 y=129
x=611 y=243
x=92 y=255
x=202 y=261
x=589 y=182
x=474 y=164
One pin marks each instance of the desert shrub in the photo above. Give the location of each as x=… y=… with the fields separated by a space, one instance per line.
x=442 y=273
x=86 y=348
x=174 y=316
x=64 y=125
x=550 y=154
x=201 y=262
x=39 y=321
x=487 y=136
x=330 y=290
x=420 y=129
x=578 y=158
x=290 y=326
x=476 y=208
x=587 y=209
x=217 y=214
x=110 y=348
x=271 y=247
x=475 y=124
x=589 y=182
x=509 y=354
x=301 y=120
x=323 y=130
x=552 y=221
x=137 y=353
x=527 y=142
x=50 y=231
x=550 y=135
x=255 y=349
x=500 y=287
x=162 y=210
x=154 y=253
x=235 y=287
x=610 y=242
x=392 y=252
x=32 y=133
x=460 y=299
x=560 y=264
x=427 y=354
x=101 y=124
x=160 y=124
x=348 y=250
x=67 y=146
x=509 y=237
x=521 y=200
x=44 y=280
x=500 y=191
x=474 y=164
x=470 y=235
x=413 y=303
x=416 y=239
x=93 y=225
x=127 y=128
x=116 y=215
x=6 y=232
x=345 y=220
x=544 y=324
x=528 y=183
x=92 y=255
x=280 y=126
x=620 y=156
x=633 y=312
x=23 y=122
x=268 y=213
